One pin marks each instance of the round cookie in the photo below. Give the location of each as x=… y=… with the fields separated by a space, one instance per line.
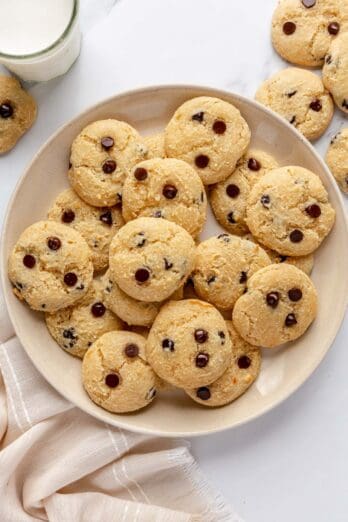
x=298 y=96
x=155 y=146
x=337 y=159
x=241 y=373
x=228 y=198
x=115 y=373
x=289 y=211
x=222 y=267
x=50 y=266
x=335 y=71
x=279 y=306
x=17 y=112
x=77 y=327
x=167 y=188
x=302 y=30
x=101 y=157
x=188 y=344
x=96 y=225
x=151 y=258
x=209 y=134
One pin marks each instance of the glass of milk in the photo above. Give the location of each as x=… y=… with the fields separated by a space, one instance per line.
x=39 y=39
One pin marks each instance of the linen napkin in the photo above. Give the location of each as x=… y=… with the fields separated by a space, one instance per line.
x=59 y=464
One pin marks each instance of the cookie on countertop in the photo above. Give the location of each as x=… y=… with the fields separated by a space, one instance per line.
x=337 y=158
x=302 y=30
x=228 y=198
x=17 y=112
x=188 y=344
x=101 y=156
x=77 y=327
x=96 y=225
x=335 y=71
x=115 y=373
x=222 y=267
x=289 y=211
x=150 y=258
x=209 y=134
x=279 y=306
x=155 y=146
x=300 y=97
x=167 y=188
x=50 y=266
x=243 y=370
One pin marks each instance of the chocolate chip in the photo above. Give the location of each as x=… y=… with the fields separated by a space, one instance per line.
x=112 y=380
x=202 y=360
x=168 y=345
x=290 y=320
x=272 y=299
x=69 y=333
x=142 y=275
x=70 y=279
x=313 y=211
x=18 y=285
x=89 y=344
x=296 y=236
x=225 y=237
x=201 y=336
x=199 y=116
x=68 y=216
x=289 y=28
x=230 y=218
x=265 y=200
x=221 y=334
x=316 y=105
x=109 y=166
x=295 y=294
x=345 y=104
x=328 y=59
x=232 y=190
x=309 y=3
x=203 y=393
x=169 y=191
x=6 y=110
x=282 y=259
x=106 y=218
x=244 y=362
x=98 y=309
x=201 y=161
x=211 y=279
x=243 y=277
x=29 y=261
x=107 y=142
x=167 y=264
x=131 y=350
x=151 y=394
x=219 y=127
x=140 y=174
x=253 y=164
x=291 y=94
x=333 y=28
x=292 y=121
x=158 y=214
x=54 y=243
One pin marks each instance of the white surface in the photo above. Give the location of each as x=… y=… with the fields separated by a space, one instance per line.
x=289 y=465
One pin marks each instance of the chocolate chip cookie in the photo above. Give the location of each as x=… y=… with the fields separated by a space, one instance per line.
x=335 y=71
x=337 y=159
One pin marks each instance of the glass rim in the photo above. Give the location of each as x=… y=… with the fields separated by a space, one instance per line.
x=53 y=45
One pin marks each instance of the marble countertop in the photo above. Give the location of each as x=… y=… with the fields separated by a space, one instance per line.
x=291 y=463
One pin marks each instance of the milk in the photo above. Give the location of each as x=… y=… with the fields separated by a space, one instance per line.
x=39 y=39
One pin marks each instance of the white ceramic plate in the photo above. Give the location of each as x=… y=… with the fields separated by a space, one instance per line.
x=283 y=370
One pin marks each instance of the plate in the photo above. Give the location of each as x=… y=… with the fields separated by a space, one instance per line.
x=283 y=370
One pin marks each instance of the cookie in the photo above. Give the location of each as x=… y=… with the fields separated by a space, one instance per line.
x=150 y=258
x=167 y=188
x=188 y=344
x=241 y=373
x=335 y=71
x=17 y=112
x=302 y=30
x=96 y=225
x=209 y=134
x=289 y=211
x=228 y=198
x=77 y=327
x=337 y=158
x=300 y=97
x=101 y=156
x=50 y=266
x=222 y=267
x=115 y=373
x=155 y=146
x=279 y=306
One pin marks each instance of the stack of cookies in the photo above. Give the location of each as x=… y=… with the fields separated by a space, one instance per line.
x=124 y=282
